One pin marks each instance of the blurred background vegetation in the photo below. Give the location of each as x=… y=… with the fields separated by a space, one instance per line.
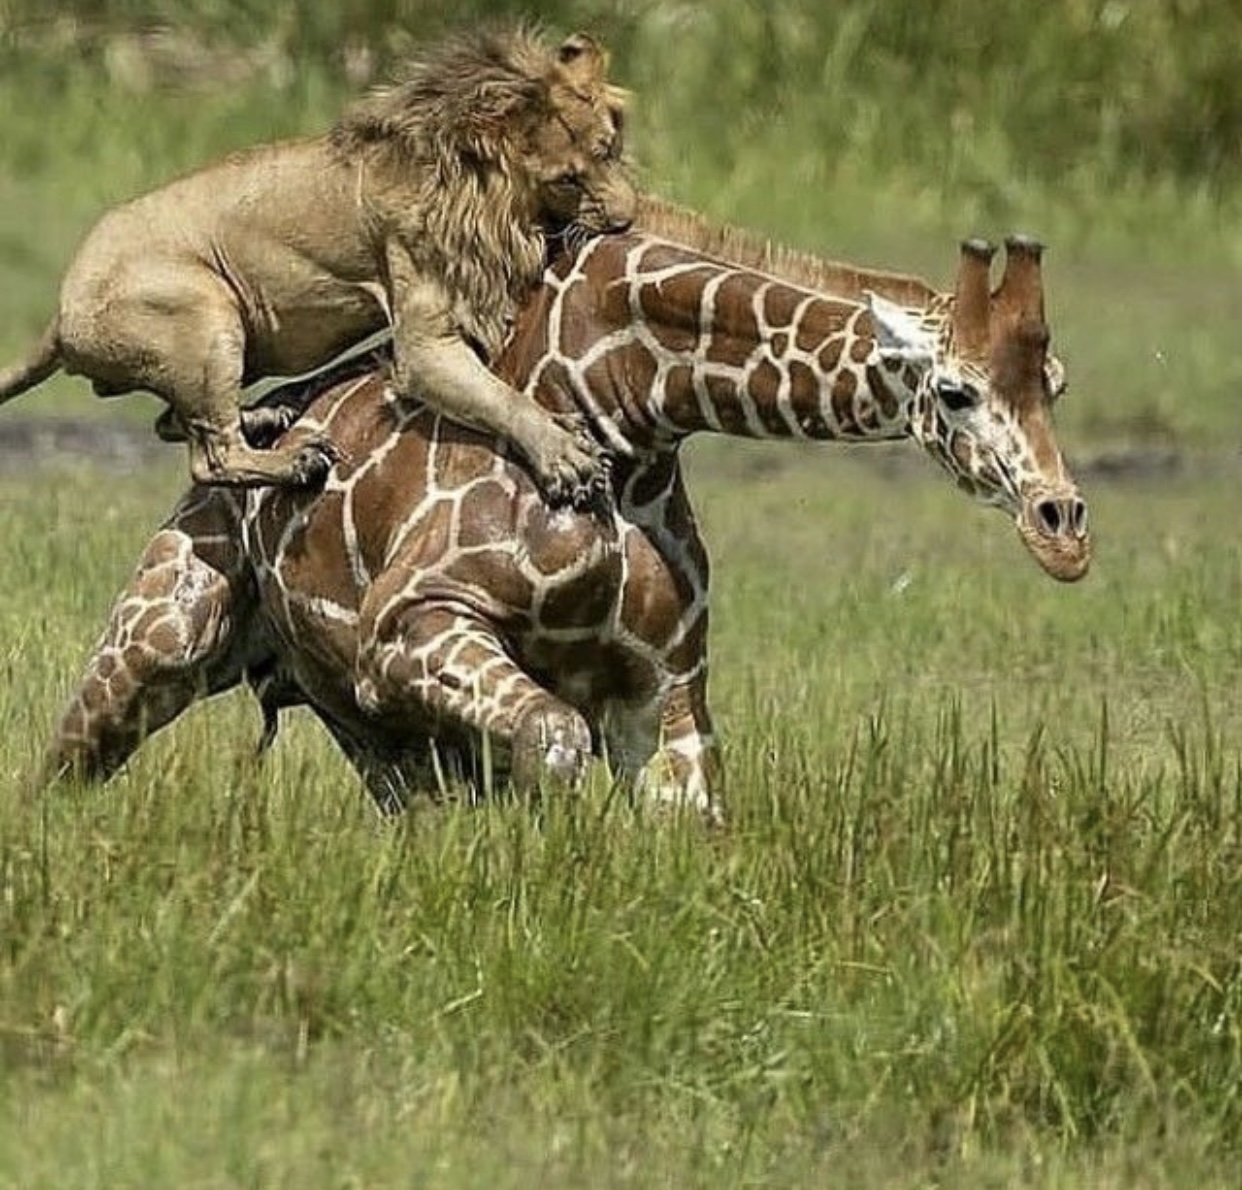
x=878 y=131
x=989 y=93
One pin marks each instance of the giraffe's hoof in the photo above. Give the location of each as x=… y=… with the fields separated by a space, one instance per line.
x=551 y=744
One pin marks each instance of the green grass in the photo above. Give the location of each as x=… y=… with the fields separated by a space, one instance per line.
x=973 y=923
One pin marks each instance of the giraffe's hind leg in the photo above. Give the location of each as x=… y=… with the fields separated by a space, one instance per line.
x=448 y=668
x=174 y=634
x=393 y=774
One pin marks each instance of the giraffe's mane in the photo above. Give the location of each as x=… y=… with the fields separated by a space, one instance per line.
x=737 y=246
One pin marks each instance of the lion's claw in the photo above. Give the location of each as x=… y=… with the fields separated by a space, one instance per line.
x=572 y=469
x=313 y=462
x=580 y=491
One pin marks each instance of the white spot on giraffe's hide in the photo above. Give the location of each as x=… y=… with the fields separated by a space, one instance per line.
x=563 y=760
x=192 y=584
x=366 y=694
x=325 y=609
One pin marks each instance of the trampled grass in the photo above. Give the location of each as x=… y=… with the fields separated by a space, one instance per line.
x=973 y=922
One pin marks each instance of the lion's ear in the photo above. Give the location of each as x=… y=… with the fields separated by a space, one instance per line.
x=583 y=60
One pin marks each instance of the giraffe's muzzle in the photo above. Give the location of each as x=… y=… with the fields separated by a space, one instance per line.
x=1054 y=528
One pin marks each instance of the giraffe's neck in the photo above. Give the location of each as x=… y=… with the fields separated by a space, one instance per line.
x=657 y=341
x=737 y=245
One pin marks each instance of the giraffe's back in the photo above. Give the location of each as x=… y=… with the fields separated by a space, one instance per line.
x=420 y=512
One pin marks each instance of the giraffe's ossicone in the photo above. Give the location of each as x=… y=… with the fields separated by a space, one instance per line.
x=429 y=606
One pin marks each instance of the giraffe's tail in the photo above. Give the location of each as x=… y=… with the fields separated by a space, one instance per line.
x=39 y=363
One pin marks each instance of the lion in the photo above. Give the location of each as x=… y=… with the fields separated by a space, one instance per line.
x=426 y=208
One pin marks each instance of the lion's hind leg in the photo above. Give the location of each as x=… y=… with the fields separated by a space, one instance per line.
x=262 y=425
x=183 y=339
x=208 y=405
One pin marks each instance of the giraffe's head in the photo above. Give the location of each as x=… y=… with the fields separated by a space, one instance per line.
x=984 y=408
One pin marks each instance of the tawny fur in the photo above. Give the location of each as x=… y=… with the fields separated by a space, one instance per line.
x=425 y=208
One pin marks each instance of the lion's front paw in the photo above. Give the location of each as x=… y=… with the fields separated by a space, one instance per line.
x=571 y=467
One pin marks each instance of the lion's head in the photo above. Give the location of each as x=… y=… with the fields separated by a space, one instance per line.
x=573 y=144
x=493 y=139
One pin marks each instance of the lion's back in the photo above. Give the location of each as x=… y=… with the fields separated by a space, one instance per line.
x=276 y=229
x=293 y=188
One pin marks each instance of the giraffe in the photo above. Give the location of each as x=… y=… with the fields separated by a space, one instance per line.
x=429 y=605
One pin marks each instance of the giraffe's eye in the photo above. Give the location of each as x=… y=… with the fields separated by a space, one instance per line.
x=957 y=396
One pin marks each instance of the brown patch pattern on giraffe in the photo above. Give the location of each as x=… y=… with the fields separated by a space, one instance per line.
x=430 y=589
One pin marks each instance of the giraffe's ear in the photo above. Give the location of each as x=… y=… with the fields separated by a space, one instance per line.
x=898 y=335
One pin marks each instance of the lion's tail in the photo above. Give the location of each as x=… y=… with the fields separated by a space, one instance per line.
x=41 y=361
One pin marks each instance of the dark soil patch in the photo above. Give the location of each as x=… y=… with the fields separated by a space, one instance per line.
x=38 y=442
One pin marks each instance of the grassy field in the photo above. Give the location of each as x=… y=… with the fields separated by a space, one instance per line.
x=974 y=922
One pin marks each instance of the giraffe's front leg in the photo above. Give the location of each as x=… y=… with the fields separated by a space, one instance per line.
x=447 y=666
x=171 y=637
x=667 y=747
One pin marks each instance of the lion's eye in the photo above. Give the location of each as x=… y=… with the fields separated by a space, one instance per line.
x=957 y=397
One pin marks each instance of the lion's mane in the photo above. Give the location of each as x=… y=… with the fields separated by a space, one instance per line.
x=439 y=151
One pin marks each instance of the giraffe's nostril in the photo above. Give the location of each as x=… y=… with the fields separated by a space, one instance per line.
x=1048 y=514
x=1060 y=517
x=1078 y=516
